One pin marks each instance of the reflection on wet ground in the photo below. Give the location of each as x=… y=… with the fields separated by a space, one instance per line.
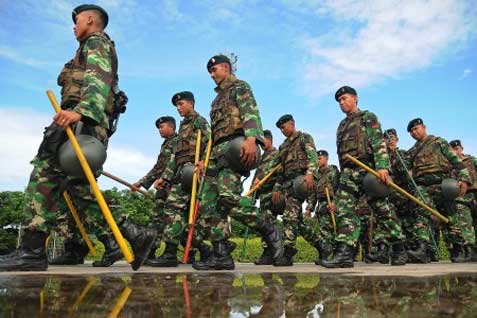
x=237 y=295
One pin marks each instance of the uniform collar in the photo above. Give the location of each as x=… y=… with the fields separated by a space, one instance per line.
x=226 y=83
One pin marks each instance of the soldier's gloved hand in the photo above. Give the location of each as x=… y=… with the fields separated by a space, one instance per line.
x=276 y=197
x=136 y=186
x=463 y=188
x=159 y=183
x=248 y=152
x=66 y=117
x=309 y=182
x=384 y=176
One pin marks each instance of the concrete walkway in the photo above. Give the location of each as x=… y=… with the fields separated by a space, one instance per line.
x=360 y=269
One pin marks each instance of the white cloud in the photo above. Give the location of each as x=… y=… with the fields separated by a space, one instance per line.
x=466 y=73
x=377 y=40
x=18 y=57
x=21 y=133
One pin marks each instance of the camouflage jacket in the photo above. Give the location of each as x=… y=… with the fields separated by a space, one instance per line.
x=398 y=173
x=432 y=158
x=167 y=148
x=87 y=80
x=234 y=111
x=328 y=177
x=360 y=135
x=187 y=138
x=267 y=157
x=470 y=163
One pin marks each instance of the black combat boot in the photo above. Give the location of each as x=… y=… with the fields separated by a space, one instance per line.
x=324 y=252
x=75 y=252
x=205 y=252
x=167 y=259
x=265 y=258
x=31 y=256
x=419 y=255
x=141 y=240
x=433 y=253
x=343 y=257
x=382 y=253
x=112 y=252
x=457 y=254
x=474 y=254
x=398 y=254
x=272 y=235
x=469 y=253
x=220 y=257
x=287 y=258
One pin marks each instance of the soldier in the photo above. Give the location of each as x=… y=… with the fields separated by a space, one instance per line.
x=88 y=86
x=431 y=161
x=360 y=136
x=328 y=177
x=234 y=113
x=470 y=197
x=175 y=215
x=297 y=155
x=167 y=129
x=265 y=193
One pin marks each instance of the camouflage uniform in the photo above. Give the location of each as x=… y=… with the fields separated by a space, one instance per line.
x=328 y=177
x=87 y=88
x=176 y=211
x=360 y=135
x=432 y=160
x=470 y=198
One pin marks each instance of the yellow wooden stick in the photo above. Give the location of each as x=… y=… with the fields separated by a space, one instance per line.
x=194 y=178
x=261 y=182
x=118 y=306
x=87 y=287
x=80 y=226
x=333 y=220
x=128 y=256
x=399 y=189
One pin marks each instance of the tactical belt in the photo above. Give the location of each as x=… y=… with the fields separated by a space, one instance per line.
x=429 y=180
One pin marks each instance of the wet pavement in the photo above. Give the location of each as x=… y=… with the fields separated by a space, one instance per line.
x=237 y=294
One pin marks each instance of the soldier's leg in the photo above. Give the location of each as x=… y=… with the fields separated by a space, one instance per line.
x=419 y=220
x=266 y=211
x=464 y=207
x=310 y=230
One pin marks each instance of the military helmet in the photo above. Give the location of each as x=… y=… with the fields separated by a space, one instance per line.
x=93 y=150
x=186 y=176
x=232 y=155
x=450 y=189
x=299 y=188
x=374 y=188
x=279 y=207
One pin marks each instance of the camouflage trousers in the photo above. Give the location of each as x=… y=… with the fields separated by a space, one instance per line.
x=293 y=222
x=46 y=207
x=459 y=230
x=388 y=226
x=407 y=216
x=323 y=214
x=266 y=209
x=221 y=197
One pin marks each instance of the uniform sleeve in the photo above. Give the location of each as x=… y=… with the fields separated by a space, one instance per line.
x=335 y=178
x=372 y=128
x=311 y=201
x=310 y=150
x=171 y=168
x=98 y=79
x=248 y=108
x=161 y=164
x=461 y=171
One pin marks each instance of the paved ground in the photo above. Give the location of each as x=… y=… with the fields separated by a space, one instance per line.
x=360 y=269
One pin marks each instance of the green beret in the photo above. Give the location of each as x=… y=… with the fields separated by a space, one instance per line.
x=283 y=120
x=390 y=132
x=218 y=59
x=85 y=7
x=322 y=152
x=267 y=134
x=165 y=119
x=414 y=123
x=345 y=90
x=183 y=95
x=455 y=143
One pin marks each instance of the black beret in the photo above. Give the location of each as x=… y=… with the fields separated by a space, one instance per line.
x=345 y=90
x=322 y=152
x=217 y=59
x=182 y=95
x=283 y=120
x=267 y=133
x=413 y=123
x=455 y=143
x=390 y=132
x=165 y=119
x=85 y=7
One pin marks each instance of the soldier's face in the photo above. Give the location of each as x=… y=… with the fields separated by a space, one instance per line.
x=166 y=130
x=288 y=128
x=82 y=24
x=219 y=72
x=184 y=107
x=418 y=132
x=459 y=150
x=392 y=141
x=268 y=143
x=348 y=103
x=322 y=161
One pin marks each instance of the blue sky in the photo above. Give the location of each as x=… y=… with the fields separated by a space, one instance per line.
x=407 y=59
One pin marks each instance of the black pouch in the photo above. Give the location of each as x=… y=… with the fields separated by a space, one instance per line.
x=53 y=137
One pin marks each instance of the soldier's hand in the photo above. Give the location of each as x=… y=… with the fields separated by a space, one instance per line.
x=384 y=176
x=136 y=186
x=332 y=207
x=463 y=188
x=66 y=117
x=309 y=182
x=248 y=152
x=276 y=197
x=199 y=169
x=255 y=182
x=159 y=183
x=307 y=215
